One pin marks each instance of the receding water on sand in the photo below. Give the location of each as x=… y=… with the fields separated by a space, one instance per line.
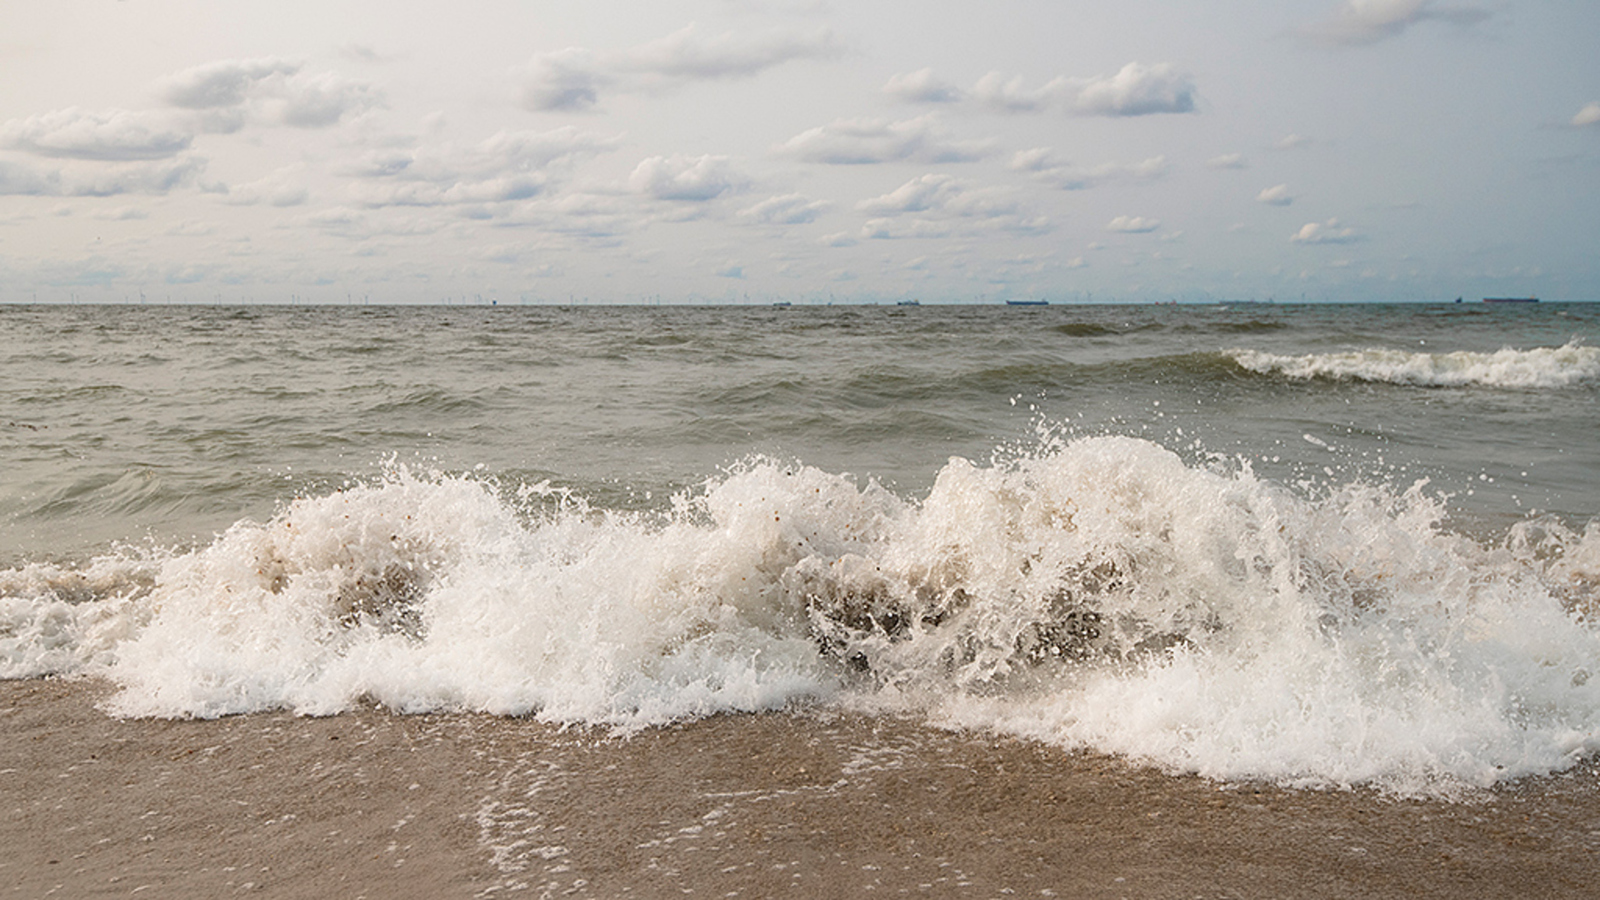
x=808 y=803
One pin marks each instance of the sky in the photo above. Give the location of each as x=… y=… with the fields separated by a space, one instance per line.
x=731 y=151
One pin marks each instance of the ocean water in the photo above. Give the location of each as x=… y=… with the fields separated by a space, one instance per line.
x=1319 y=545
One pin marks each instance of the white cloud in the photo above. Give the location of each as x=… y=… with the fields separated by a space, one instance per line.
x=22 y=180
x=687 y=55
x=100 y=179
x=787 y=209
x=917 y=195
x=1133 y=225
x=1589 y=115
x=317 y=101
x=567 y=79
x=1043 y=164
x=115 y=135
x=573 y=78
x=1136 y=90
x=1277 y=195
x=887 y=229
x=223 y=83
x=937 y=205
x=158 y=177
x=687 y=178
x=997 y=91
x=226 y=90
x=508 y=166
x=922 y=87
x=1227 y=161
x=1360 y=22
x=1329 y=232
x=867 y=141
x=1292 y=142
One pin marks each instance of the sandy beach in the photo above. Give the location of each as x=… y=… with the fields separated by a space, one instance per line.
x=369 y=804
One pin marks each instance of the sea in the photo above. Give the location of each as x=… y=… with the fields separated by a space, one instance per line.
x=1320 y=545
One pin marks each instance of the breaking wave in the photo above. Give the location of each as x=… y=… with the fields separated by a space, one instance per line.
x=1542 y=367
x=1099 y=593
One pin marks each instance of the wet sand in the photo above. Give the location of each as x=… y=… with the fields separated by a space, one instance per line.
x=369 y=804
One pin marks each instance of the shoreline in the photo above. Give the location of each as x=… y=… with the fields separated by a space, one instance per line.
x=805 y=803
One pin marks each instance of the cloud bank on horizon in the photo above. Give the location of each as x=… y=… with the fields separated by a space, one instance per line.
x=733 y=150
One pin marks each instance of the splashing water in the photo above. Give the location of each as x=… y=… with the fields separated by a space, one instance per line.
x=1540 y=367
x=1097 y=593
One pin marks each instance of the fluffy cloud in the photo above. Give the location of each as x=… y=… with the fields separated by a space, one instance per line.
x=786 y=209
x=226 y=90
x=223 y=83
x=937 y=205
x=1329 y=232
x=1133 y=225
x=997 y=91
x=510 y=165
x=1589 y=115
x=317 y=101
x=145 y=178
x=867 y=141
x=564 y=80
x=1292 y=142
x=1227 y=161
x=101 y=180
x=1360 y=22
x=24 y=180
x=572 y=79
x=1044 y=166
x=686 y=178
x=1136 y=90
x=116 y=135
x=922 y=87
x=688 y=55
x=1277 y=195
x=917 y=195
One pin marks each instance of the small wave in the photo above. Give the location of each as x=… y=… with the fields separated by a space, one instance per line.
x=1099 y=593
x=1542 y=367
x=1252 y=326
x=1085 y=329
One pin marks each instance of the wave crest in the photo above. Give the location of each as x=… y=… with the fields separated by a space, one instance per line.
x=1541 y=367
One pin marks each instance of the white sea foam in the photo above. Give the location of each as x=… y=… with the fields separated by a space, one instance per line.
x=1099 y=593
x=1541 y=367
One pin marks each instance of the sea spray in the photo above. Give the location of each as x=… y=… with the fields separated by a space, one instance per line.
x=1539 y=367
x=1099 y=592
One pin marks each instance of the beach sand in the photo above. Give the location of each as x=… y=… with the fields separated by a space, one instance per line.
x=801 y=804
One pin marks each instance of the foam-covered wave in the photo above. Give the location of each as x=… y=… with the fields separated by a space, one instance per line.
x=1541 y=367
x=1100 y=593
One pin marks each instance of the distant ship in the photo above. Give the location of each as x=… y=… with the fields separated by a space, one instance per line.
x=1511 y=299
x=1027 y=302
x=908 y=303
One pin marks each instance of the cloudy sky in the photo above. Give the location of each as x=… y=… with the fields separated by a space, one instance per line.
x=733 y=150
